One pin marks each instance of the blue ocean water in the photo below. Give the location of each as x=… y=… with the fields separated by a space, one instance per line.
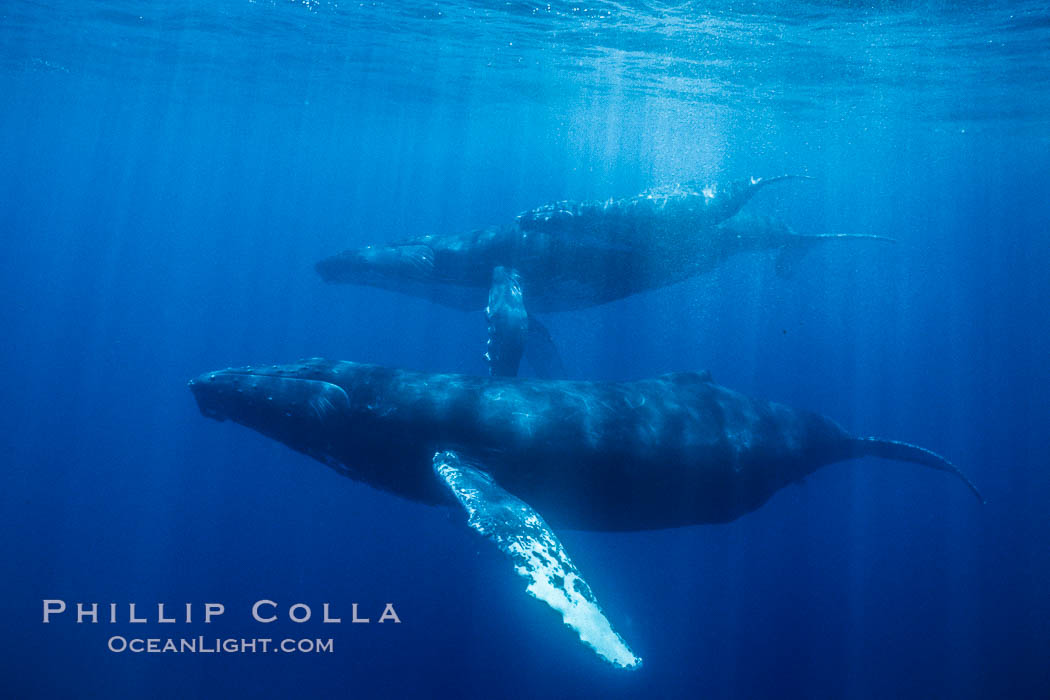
x=172 y=171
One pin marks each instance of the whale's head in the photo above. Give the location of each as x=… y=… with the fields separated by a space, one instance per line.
x=331 y=411
x=303 y=405
x=379 y=266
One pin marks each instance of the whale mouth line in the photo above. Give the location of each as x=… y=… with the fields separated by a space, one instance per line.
x=219 y=392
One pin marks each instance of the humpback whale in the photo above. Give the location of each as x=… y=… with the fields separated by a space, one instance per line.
x=571 y=255
x=671 y=451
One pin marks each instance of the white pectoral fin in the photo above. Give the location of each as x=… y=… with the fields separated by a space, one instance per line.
x=535 y=551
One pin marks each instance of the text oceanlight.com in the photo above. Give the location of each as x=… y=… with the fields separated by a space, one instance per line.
x=203 y=645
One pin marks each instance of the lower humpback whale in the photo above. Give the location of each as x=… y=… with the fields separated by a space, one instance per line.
x=671 y=451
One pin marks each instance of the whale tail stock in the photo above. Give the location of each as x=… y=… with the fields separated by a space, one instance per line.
x=906 y=452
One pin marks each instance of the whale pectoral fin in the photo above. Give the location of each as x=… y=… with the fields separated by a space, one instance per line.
x=536 y=553
x=508 y=323
x=541 y=352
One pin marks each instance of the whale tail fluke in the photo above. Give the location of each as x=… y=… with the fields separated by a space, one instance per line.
x=763 y=181
x=906 y=452
x=802 y=243
x=818 y=237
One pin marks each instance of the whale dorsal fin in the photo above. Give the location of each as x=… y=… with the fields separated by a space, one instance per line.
x=537 y=554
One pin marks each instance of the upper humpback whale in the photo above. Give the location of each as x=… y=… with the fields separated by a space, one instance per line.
x=569 y=255
x=665 y=452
